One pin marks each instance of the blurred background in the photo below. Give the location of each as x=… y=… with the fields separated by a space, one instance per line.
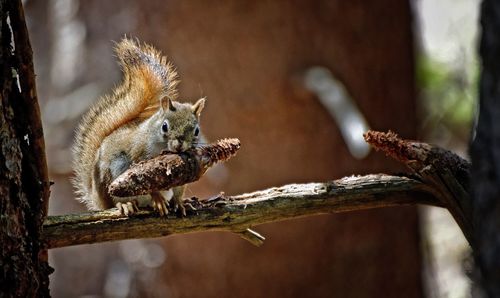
x=408 y=66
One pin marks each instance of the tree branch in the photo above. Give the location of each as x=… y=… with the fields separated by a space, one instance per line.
x=238 y=213
x=439 y=178
x=443 y=171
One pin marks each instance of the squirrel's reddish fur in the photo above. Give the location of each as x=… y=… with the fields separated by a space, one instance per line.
x=147 y=78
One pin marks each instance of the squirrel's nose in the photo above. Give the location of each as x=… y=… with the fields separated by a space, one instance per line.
x=174 y=145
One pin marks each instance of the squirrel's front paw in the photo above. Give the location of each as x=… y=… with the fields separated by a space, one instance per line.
x=159 y=203
x=127 y=208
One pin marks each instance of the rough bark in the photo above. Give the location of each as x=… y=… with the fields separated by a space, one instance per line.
x=485 y=154
x=24 y=186
x=239 y=213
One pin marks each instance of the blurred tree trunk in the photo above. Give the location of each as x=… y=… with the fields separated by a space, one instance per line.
x=485 y=153
x=23 y=171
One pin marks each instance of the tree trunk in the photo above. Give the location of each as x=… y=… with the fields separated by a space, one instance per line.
x=24 y=187
x=485 y=153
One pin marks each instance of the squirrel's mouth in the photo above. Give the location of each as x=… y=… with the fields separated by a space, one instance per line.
x=176 y=146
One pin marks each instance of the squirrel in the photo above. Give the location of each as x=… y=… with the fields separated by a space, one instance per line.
x=137 y=121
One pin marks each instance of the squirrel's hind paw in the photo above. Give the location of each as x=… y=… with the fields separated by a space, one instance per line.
x=182 y=204
x=127 y=208
x=165 y=201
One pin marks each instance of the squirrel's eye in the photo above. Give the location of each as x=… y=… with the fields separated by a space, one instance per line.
x=164 y=126
x=196 y=131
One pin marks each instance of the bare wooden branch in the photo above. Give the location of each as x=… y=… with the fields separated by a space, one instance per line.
x=253 y=237
x=168 y=170
x=238 y=213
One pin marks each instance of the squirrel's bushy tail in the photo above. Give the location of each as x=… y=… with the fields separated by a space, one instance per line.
x=148 y=77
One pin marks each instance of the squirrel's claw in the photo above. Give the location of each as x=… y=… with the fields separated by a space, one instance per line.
x=181 y=204
x=165 y=201
x=127 y=208
x=159 y=203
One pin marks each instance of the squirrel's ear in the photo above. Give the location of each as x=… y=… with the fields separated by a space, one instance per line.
x=171 y=105
x=198 y=107
x=166 y=104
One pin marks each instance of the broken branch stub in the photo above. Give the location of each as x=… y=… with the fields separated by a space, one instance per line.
x=418 y=155
x=169 y=170
x=444 y=171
